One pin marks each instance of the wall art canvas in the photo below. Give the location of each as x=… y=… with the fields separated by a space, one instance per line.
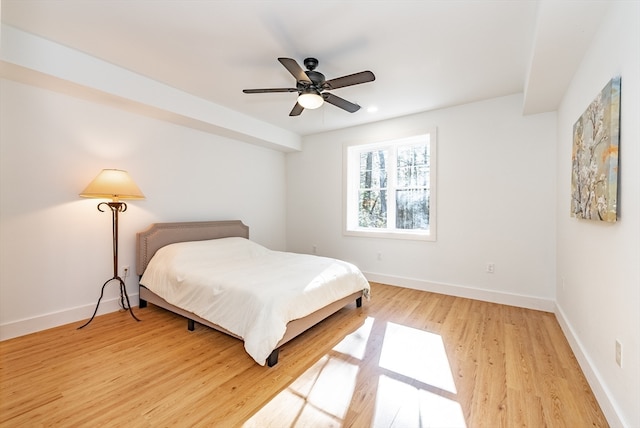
x=594 y=176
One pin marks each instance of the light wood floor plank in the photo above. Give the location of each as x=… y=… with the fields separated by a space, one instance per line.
x=406 y=358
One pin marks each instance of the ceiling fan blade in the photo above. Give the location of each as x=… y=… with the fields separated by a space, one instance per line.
x=296 y=110
x=351 y=79
x=296 y=71
x=340 y=102
x=264 y=91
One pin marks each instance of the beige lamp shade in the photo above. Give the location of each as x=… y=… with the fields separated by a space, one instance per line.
x=112 y=183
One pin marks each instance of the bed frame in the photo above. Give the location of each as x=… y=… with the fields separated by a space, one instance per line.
x=160 y=234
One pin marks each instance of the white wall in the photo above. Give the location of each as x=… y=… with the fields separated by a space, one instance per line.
x=598 y=264
x=55 y=247
x=496 y=196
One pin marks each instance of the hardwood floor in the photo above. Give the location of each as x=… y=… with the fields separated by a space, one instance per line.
x=405 y=359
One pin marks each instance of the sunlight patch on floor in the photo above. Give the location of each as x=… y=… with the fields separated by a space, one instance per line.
x=400 y=404
x=415 y=384
x=418 y=355
x=332 y=388
x=322 y=393
x=355 y=344
x=283 y=410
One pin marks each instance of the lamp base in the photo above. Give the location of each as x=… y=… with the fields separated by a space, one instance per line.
x=123 y=296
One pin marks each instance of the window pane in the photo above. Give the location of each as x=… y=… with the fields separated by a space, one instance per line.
x=413 y=155
x=413 y=166
x=412 y=209
x=372 y=210
x=413 y=176
x=373 y=169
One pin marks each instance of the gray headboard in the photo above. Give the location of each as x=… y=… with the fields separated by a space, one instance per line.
x=160 y=234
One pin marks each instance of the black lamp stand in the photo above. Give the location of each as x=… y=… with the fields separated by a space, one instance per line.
x=115 y=208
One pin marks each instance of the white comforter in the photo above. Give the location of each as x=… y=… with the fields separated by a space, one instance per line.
x=248 y=289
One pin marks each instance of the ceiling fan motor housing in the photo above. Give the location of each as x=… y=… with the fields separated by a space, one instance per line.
x=316 y=77
x=310 y=63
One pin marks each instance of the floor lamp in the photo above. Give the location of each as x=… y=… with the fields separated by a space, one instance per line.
x=115 y=185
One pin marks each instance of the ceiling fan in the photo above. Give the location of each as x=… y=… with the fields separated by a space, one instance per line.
x=311 y=86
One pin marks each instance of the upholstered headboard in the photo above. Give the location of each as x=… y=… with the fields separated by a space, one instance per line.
x=160 y=234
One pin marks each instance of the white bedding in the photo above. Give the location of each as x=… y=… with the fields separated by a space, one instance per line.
x=251 y=291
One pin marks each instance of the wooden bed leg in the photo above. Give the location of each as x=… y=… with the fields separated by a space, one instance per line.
x=359 y=302
x=191 y=325
x=272 y=360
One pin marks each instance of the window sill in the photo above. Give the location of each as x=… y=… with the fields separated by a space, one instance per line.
x=413 y=236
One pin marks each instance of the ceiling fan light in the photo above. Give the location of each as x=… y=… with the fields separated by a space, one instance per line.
x=310 y=100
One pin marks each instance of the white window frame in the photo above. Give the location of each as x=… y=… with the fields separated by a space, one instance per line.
x=351 y=180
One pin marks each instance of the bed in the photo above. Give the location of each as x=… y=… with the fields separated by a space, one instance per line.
x=212 y=274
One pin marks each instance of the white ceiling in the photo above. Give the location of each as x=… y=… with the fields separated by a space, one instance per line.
x=425 y=54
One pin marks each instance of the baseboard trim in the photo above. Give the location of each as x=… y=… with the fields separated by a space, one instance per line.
x=56 y=319
x=529 y=302
x=600 y=390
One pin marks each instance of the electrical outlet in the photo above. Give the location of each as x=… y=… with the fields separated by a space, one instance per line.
x=125 y=272
x=619 y=353
x=491 y=268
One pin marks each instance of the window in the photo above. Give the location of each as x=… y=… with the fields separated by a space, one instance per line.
x=390 y=188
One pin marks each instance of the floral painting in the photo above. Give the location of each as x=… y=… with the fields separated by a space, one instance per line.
x=594 y=177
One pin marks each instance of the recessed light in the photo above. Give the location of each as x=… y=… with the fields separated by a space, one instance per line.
x=372 y=109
